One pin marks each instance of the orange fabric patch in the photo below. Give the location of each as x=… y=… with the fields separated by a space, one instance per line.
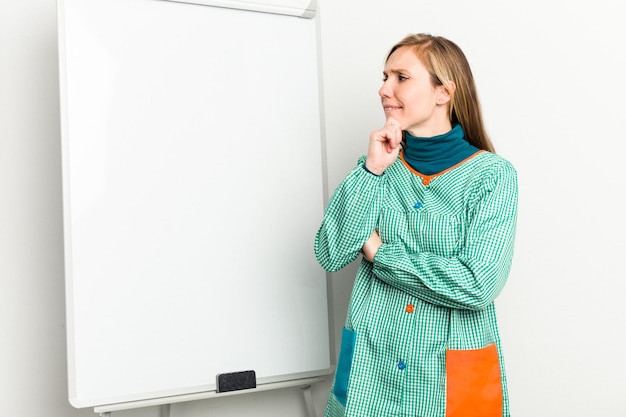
x=474 y=387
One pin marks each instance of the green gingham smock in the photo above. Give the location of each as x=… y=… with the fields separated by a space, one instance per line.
x=421 y=338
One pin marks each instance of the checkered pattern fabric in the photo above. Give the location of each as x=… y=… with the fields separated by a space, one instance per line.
x=446 y=254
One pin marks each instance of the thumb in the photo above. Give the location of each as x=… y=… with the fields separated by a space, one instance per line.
x=391 y=122
x=395 y=132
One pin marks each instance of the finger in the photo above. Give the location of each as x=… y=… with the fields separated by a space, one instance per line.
x=391 y=122
x=394 y=133
x=391 y=147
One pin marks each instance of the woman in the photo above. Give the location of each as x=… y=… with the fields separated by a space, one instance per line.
x=432 y=209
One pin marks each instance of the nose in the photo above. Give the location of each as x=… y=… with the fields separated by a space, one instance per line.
x=385 y=90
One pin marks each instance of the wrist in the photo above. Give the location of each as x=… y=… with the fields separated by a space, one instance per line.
x=377 y=172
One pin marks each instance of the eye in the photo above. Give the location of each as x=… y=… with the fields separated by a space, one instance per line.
x=402 y=77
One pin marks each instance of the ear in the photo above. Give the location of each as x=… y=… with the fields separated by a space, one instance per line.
x=444 y=93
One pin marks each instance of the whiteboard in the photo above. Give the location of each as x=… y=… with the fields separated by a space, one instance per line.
x=193 y=187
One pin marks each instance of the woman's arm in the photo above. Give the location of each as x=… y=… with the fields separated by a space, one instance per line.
x=349 y=218
x=353 y=210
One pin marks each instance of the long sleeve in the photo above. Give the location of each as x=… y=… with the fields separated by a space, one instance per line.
x=349 y=219
x=473 y=278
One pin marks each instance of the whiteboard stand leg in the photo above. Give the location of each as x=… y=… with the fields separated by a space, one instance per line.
x=308 y=401
x=164 y=410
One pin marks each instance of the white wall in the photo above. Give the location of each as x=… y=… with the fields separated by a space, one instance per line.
x=550 y=78
x=32 y=380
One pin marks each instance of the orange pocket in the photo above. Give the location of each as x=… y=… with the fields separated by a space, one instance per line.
x=474 y=387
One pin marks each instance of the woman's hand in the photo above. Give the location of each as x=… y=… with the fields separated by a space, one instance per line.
x=384 y=147
x=371 y=246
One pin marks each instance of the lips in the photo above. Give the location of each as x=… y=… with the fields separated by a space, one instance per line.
x=390 y=108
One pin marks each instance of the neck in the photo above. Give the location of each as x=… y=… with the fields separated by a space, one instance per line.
x=434 y=154
x=435 y=129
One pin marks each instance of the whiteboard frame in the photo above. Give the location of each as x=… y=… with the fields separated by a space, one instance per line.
x=300 y=383
x=282 y=7
x=263 y=383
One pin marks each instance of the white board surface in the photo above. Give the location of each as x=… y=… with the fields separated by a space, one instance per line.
x=193 y=187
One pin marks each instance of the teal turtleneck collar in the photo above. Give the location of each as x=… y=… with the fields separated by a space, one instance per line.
x=432 y=155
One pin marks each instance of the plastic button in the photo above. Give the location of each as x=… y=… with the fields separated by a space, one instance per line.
x=402 y=365
x=418 y=205
x=409 y=308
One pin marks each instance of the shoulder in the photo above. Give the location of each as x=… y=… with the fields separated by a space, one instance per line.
x=491 y=160
x=494 y=178
x=491 y=167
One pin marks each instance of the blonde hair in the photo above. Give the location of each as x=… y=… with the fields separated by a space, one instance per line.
x=448 y=66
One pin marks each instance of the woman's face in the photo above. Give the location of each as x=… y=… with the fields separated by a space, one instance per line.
x=409 y=96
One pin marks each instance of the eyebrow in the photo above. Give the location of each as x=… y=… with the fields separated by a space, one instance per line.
x=396 y=71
